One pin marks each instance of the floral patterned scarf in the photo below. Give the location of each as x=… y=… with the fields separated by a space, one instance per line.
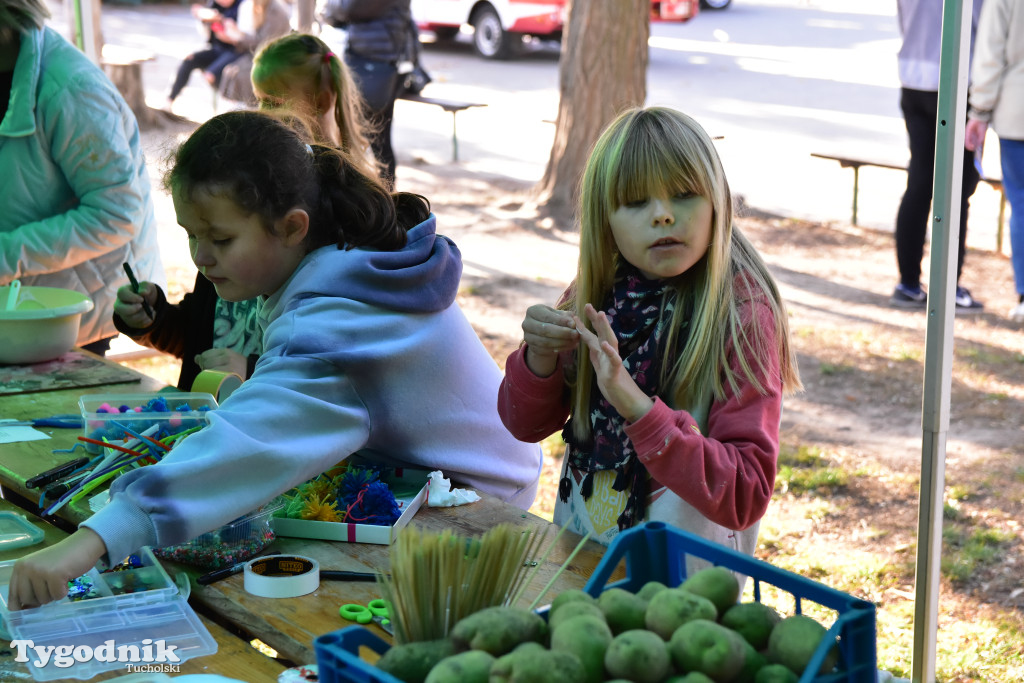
x=639 y=313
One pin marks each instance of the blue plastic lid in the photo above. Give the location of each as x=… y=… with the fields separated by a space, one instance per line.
x=16 y=531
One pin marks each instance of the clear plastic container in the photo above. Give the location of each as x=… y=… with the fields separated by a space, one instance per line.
x=236 y=541
x=154 y=415
x=137 y=610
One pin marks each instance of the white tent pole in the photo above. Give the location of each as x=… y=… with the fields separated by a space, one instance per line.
x=938 y=359
x=84 y=26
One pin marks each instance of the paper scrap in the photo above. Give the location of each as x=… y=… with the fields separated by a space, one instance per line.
x=10 y=434
x=440 y=493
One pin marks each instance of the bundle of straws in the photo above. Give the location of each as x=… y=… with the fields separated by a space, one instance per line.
x=437 y=578
x=136 y=450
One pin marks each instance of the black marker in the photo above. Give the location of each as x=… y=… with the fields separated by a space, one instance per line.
x=51 y=475
x=61 y=486
x=135 y=288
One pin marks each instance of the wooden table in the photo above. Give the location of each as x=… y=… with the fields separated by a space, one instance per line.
x=289 y=626
x=23 y=460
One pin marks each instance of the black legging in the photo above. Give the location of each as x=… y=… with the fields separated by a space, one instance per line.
x=378 y=84
x=920 y=110
x=212 y=60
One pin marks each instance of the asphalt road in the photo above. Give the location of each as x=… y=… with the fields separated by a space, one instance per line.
x=776 y=79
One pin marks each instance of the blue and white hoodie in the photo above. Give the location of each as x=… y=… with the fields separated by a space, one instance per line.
x=364 y=351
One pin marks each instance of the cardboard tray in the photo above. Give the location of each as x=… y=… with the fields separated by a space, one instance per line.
x=656 y=551
x=410 y=489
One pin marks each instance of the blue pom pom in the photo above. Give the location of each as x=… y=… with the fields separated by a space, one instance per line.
x=352 y=482
x=377 y=506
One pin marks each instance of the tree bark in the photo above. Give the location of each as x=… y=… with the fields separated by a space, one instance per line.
x=602 y=71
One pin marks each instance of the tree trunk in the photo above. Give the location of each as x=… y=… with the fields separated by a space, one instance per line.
x=602 y=70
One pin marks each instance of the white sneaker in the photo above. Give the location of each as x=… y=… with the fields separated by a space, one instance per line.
x=1017 y=314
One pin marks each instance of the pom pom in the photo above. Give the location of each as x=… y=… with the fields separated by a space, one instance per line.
x=375 y=505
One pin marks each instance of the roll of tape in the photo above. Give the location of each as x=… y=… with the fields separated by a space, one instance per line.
x=218 y=383
x=281 y=576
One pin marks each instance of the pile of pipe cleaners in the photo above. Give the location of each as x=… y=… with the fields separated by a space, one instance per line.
x=122 y=444
x=356 y=495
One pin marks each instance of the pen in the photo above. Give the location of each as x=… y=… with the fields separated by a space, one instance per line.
x=53 y=474
x=225 y=572
x=135 y=288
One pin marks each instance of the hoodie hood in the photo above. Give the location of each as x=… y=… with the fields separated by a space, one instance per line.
x=421 y=277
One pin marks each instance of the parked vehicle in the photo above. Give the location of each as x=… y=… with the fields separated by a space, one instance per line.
x=499 y=26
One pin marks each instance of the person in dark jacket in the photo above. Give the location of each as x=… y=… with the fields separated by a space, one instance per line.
x=232 y=343
x=378 y=39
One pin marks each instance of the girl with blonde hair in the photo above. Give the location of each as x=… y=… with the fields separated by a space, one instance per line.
x=665 y=362
x=300 y=71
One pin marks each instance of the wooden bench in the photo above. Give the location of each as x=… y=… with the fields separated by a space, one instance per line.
x=855 y=164
x=123 y=66
x=448 y=105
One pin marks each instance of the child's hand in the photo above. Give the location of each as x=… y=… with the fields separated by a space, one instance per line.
x=43 y=576
x=129 y=307
x=547 y=332
x=224 y=360
x=615 y=383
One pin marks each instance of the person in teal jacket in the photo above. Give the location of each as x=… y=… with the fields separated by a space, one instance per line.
x=75 y=190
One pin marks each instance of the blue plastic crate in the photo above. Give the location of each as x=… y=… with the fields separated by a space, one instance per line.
x=656 y=551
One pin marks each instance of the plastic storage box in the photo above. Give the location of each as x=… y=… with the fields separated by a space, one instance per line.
x=137 y=610
x=183 y=411
x=656 y=551
x=236 y=541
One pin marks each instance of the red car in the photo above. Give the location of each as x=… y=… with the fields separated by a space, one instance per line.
x=500 y=25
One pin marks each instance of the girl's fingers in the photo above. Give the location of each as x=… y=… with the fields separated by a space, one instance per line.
x=586 y=336
x=611 y=352
x=548 y=328
x=603 y=328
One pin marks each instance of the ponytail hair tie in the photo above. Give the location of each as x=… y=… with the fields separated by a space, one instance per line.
x=327 y=57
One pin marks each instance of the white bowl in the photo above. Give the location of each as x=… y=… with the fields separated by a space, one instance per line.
x=42 y=325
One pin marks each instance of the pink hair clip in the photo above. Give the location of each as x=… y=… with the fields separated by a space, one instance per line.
x=327 y=57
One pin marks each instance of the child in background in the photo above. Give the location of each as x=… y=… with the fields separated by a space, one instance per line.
x=203 y=330
x=215 y=16
x=259 y=22
x=299 y=71
x=365 y=349
x=667 y=358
